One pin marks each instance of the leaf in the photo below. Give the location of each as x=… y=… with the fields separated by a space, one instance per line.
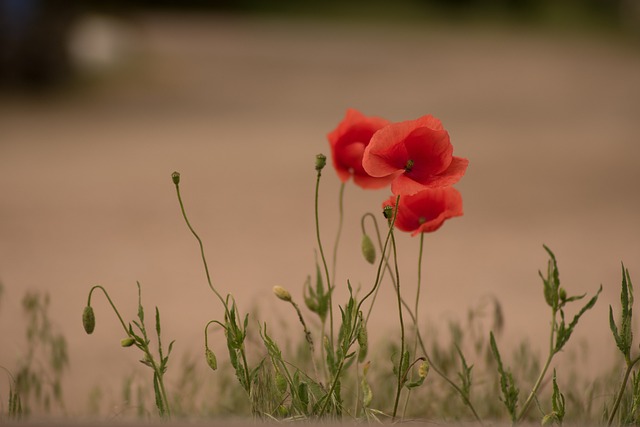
x=564 y=333
x=507 y=385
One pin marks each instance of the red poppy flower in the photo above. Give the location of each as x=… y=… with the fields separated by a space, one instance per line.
x=417 y=154
x=348 y=142
x=426 y=211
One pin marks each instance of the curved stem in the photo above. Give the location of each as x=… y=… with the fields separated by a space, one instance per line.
x=375 y=224
x=204 y=259
x=400 y=363
x=616 y=405
x=324 y=260
x=106 y=294
x=435 y=368
x=334 y=382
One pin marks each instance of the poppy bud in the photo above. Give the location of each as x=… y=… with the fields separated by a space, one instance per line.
x=562 y=294
x=368 y=250
x=388 y=212
x=88 y=319
x=175 y=177
x=127 y=342
x=282 y=293
x=423 y=370
x=211 y=359
x=321 y=161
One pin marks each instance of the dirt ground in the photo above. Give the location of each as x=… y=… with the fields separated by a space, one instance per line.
x=240 y=106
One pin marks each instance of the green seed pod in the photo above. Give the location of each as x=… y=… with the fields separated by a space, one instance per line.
x=387 y=211
x=88 y=319
x=282 y=293
x=211 y=359
x=127 y=342
x=368 y=250
x=175 y=177
x=562 y=294
x=321 y=161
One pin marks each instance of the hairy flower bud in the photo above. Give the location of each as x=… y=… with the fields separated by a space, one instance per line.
x=321 y=161
x=88 y=319
x=211 y=359
x=282 y=293
x=175 y=177
x=368 y=250
x=388 y=212
x=127 y=342
x=562 y=294
x=423 y=370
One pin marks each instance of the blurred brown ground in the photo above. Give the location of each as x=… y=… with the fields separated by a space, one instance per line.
x=240 y=106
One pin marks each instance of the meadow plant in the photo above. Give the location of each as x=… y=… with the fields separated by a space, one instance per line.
x=139 y=339
x=335 y=374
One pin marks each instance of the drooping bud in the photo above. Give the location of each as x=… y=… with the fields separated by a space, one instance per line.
x=423 y=370
x=127 y=342
x=368 y=250
x=211 y=359
x=363 y=342
x=282 y=293
x=175 y=177
x=88 y=320
x=321 y=161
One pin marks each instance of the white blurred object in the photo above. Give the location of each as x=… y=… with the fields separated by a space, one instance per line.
x=100 y=43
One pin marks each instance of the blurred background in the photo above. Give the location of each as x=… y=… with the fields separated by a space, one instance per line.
x=99 y=104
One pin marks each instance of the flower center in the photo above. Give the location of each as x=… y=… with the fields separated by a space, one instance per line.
x=408 y=166
x=422 y=220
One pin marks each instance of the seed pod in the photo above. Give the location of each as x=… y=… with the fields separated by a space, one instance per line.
x=211 y=359
x=282 y=293
x=175 y=177
x=127 y=342
x=88 y=319
x=321 y=161
x=368 y=250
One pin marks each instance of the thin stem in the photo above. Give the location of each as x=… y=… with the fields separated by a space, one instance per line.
x=437 y=370
x=339 y=232
x=400 y=363
x=375 y=286
x=204 y=259
x=106 y=294
x=415 y=310
x=324 y=260
x=536 y=386
x=307 y=335
x=375 y=223
x=616 y=405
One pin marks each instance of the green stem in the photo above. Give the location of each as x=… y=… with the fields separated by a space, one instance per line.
x=204 y=259
x=616 y=405
x=375 y=224
x=415 y=310
x=371 y=291
x=324 y=260
x=106 y=294
x=538 y=382
x=435 y=368
x=400 y=363
x=339 y=233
